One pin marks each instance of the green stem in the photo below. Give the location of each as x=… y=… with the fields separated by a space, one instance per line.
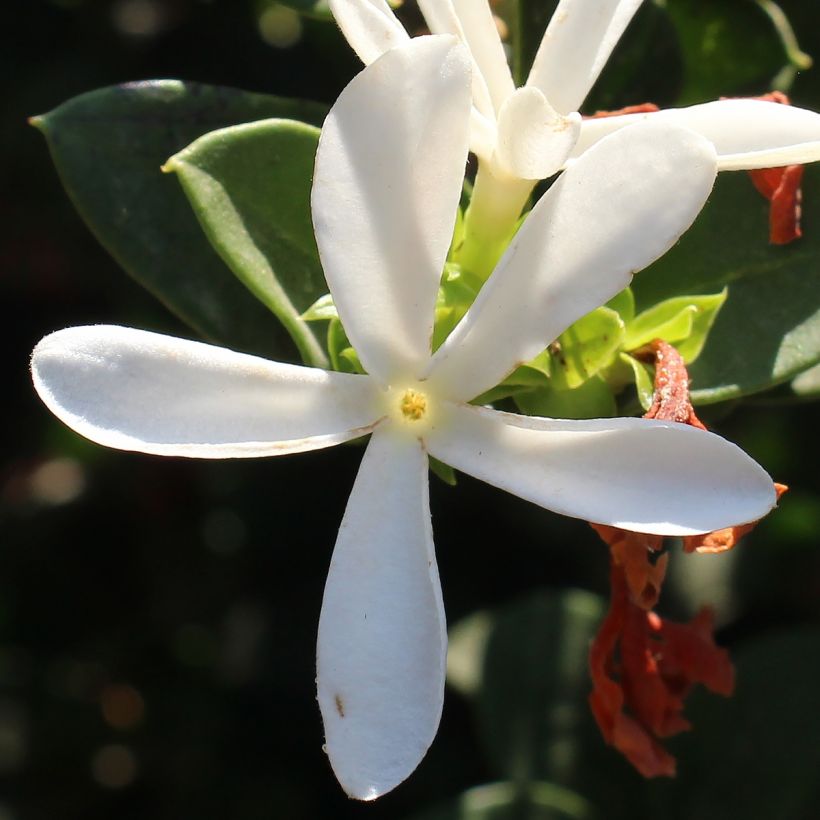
x=797 y=57
x=491 y=219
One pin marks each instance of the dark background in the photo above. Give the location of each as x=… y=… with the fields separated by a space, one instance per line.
x=157 y=616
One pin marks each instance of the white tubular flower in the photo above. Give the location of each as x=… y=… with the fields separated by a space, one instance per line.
x=529 y=133
x=388 y=175
x=521 y=135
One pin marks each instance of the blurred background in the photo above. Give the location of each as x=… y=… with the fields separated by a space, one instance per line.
x=158 y=617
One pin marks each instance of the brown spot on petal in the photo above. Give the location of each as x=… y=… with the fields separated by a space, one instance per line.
x=340 y=705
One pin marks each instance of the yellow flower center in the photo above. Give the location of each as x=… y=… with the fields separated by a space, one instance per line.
x=413 y=405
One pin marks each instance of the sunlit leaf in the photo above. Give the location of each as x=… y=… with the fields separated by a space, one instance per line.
x=249 y=186
x=768 y=330
x=591 y=400
x=683 y=321
x=807 y=383
x=586 y=348
x=108 y=146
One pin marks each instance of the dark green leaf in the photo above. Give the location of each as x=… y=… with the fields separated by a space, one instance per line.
x=250 y=188
x=728 y=47
x=769 y=328
x=591 y=400
x=511 y=801
x=534 y=684
x=755 y=754
x=108 y=146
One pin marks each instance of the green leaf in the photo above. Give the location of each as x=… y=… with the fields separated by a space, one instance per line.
x=591 y=400
x=623 y=304
x=756 y=753
x=586 y=348
x=514 y=801
x=728 y=47
x=108 y=146
x=807 y=383
x=683 y=321
x=768 y=330
x=249 y=186
x=534 y=684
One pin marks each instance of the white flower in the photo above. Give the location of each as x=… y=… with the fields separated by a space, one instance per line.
x=388 y=176
x=529 y=133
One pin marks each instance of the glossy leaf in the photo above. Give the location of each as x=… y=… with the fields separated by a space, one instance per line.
x=728 y=48
x=807 y=383
x=533 y=684
x=768 y=331
x=591 y=400
x=249 y=186
x=683 y=321
x=108 y=146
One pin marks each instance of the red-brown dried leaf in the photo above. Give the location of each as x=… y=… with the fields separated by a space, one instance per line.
x=725 y=539
x=781 y=186
x=641 y=108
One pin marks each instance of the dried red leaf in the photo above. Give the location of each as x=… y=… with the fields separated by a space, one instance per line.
x=642 y=666
x=670 y=401
x=781 y=186
x=642 y=669
x=631 y=551
x=725 y=539
x=641 y=108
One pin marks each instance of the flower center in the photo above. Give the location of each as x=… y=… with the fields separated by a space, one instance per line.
x=413 y=405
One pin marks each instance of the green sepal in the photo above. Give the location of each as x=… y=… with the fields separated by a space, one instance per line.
x=643 y=376
x=623 y=304
x=342 y=355
x=249 y=186
x=322 y=310
x=108 y=146
x=444 y=471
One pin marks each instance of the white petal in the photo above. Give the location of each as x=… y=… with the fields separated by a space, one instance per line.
x=646 y=476
x=576 y=46
x=388 y=177
x=369 y=26
x=142 y=391
x=472 y=21
x=382 y=639
x=534 y=140
x=619 y=207
x=746 y=133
